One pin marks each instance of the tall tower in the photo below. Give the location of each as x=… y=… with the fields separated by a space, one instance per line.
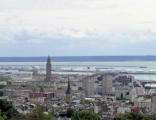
x=68 y=93
x=107 y=84
x=88 y=86
x=48 y=70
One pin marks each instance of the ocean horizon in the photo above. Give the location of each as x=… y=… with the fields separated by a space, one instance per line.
x=80 y=59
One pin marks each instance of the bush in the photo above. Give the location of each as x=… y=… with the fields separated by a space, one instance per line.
x=134 y=116
x=85 y=115
x=7 y=109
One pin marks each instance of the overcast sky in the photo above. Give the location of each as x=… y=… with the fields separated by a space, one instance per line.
x=77 y=27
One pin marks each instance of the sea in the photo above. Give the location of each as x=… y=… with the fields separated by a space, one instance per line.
x=140 y=64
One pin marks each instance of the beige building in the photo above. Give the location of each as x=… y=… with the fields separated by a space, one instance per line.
x=88 y=86
x=107 y=84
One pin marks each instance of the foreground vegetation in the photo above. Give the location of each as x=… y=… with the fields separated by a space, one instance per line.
x=85 y=115
x=38 y=114
x=8 y=112
x=134 y=116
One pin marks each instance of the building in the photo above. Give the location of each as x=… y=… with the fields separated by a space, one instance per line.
x=153 y=100
x=40 y=97
x=68 y=94
x=125 y=92
x=35 y=74
x=107 y=84
x=48 y=70
x=123 y=110
x=124 y=79
x=88 y=86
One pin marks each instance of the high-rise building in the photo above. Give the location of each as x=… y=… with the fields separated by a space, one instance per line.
x=68 y=94
x=153 y=101
x=88 y=86
x=35 y=73
x=107 y=84
x=48 y=70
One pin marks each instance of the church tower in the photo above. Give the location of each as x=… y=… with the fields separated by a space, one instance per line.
x=68 y=93
x=48 y=70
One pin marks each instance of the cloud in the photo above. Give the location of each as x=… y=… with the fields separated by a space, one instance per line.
x=93 y=25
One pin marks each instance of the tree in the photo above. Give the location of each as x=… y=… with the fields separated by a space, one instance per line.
x=129 y=116
x=85 y=115
x=150 y=117
x=41 y=88
x=120 y=117
x=2 y=86
x=134 y=116
x=6 y=80
x=38 y=114
x=7 y=109
x=121 y=96
x=69 y=112
x=2 y=117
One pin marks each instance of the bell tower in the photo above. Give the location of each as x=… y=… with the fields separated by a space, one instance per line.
x=48 y=70
x=68 y=93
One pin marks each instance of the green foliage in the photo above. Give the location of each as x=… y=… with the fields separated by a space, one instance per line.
x=121 y=96
x=41 y=88
x=69 y=112
x=3 y=117
x=5 y=79
x=80 y=88
x=38 y=113
x=121 y=117
x=88 y=101
x=134 y=116
x=60 y=88
x=7 y=109
x=98 y=102
x=94 y=102
x=1 y=93
x=150 y=117
x=2 y=86
x=85 y=115
x=24 y=86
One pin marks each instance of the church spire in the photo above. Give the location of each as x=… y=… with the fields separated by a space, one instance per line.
x=68 y=93
x=68 y=89
x=48 y=70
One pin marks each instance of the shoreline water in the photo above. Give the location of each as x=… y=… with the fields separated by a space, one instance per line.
x=140 y=66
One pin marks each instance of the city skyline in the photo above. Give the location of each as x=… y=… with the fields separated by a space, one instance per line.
x=77 y=59
x=81 y=28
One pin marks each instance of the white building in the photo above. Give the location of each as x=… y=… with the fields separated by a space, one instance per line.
x=3 y=83
x=122 y=110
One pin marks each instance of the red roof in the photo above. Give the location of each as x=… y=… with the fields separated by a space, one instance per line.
x=134 y=109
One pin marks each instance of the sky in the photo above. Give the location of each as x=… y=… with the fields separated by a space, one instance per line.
x=77 y=27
